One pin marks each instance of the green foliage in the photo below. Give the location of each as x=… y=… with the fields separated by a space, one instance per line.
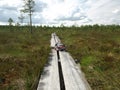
x=87 y=60
x=10 y=20
x=28 y=6
x=21 y=18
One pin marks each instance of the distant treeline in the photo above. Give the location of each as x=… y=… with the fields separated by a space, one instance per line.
x=83 y=27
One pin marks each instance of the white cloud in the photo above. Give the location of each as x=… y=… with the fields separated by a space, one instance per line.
x=64 y=11
x=11 y=3
x=103 y=12
x=57 y=9
x=55 y=12
x=116 y=11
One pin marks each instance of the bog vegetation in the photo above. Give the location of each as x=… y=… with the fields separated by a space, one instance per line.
x=98 y=50
x=23 y=55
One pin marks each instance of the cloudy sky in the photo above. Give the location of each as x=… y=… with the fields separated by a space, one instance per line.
x=67 y=12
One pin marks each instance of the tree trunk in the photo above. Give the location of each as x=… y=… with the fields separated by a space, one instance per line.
x=31 y=23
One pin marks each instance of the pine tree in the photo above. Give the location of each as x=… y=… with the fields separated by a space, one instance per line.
x=29 y=8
